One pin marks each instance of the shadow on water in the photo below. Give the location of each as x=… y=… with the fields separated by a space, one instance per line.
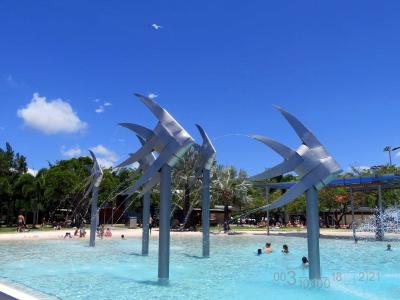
x=194 y=256
x=159 y=282
x=136 y=254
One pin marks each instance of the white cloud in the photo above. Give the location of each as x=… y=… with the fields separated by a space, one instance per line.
x=152 y=95
x=50 y=117
x=33 y=172
x=105 y=157
x=72 y=152
x=96 y=100
x=100 y=109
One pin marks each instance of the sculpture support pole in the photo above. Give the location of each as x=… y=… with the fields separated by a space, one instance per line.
x=313 y=233
x=353 y=224
x=164 y=230
x=379 y=230
x=146 y=218
x=266 y=203
x=205 y=213
x=93 y=217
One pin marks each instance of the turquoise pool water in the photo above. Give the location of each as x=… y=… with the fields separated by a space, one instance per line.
x=69 y=269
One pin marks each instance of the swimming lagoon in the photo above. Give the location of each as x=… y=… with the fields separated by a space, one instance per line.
x=114 y=269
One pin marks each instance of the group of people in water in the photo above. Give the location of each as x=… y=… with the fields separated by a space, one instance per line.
x=81 y=232
x=268 y=249
x=285 y=250
x=103 y=233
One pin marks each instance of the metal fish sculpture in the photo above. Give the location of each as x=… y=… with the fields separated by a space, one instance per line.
x=169 y=139
x=311 y=161
x=206 y=151
x=96 y=174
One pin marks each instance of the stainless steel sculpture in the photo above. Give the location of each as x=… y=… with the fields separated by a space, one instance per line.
x=170 y=140
x=315 y=167
x=144 y=164
x=207 y=155
x=96 y=176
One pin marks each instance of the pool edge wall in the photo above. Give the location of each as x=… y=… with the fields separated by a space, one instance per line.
x=8 y=292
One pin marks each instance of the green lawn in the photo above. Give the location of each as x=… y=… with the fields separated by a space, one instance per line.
x=8 y=229
x=14 y=229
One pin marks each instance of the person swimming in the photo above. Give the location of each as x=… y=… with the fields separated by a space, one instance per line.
x=304 y=261
x=285 y=249
x=259 y=251
x=268 y=248
x=108 y=233
x=389 y=247
x=123 y=237
x=67 y=235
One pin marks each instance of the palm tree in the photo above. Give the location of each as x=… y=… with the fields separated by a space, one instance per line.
x=229 y=187
x=186 y=184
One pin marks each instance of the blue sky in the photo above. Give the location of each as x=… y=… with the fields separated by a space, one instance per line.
x=222 y=64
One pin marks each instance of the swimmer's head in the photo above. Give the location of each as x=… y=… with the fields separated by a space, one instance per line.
x=267 y=245
x=259 y=251
x=304 y=260
x=389 y=247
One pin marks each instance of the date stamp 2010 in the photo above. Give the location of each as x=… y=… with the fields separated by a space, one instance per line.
x=291 y=278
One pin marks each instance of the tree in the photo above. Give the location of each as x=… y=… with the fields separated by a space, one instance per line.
x=11 y=167
x=66 y=184
x=186 y=184
x=229 y=187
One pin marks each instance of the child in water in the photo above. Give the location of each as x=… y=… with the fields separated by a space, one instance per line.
x=304 y=261
x=268 y=248
x=285 y=249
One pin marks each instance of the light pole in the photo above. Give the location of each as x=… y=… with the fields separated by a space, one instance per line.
x=266 y=203
x=389 y=149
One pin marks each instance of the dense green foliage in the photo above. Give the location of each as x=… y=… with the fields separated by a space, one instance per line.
x=61 y=189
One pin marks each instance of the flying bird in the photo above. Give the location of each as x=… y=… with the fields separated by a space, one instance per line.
x=311 y=161
x=156 y=27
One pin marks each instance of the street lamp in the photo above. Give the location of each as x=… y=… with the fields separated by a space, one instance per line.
x=389 y=149
x=396 y=148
